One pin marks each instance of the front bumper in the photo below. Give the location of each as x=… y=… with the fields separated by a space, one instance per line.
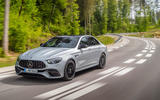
x=51 y=71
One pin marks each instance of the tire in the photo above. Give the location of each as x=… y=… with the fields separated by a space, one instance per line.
x=102 y=61
x=69 y=71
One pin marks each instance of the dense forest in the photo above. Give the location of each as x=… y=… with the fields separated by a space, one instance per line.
x=34 y=21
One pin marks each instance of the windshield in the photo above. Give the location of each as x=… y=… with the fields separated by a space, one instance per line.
x=62 y=42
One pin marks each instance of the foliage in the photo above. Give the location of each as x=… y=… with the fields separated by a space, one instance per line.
x=146 y=35
x=1 y=19
x=1 y=52
x=59 y=17
x=35 y=21
x=25 y=31
x=159 y=22
x=8 y=60
x=100 y=18
x=7 y=63
x=123 y=13
x=112 y=15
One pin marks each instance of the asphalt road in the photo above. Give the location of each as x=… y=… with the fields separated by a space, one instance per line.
x=132 y=73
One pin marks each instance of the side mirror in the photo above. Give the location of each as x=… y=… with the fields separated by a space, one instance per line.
x=81 y=46
x=41 y=44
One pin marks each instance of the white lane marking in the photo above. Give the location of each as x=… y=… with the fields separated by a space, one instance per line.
x=153 y=48
x=125 y=71
x=141 y=61
x=153 y=44
x=129 y=61
x=85 y=85
x=139 y=55
x=108 y=70
x=82 y=92
x=6 y=76
x=116 y=47
x=148 y=55
x=110 y=50
x=122 y=45
x=144 y=50
x=6 y=73
x=150 y=46
x=147 y=42
x=152 y=51
x=59 y=90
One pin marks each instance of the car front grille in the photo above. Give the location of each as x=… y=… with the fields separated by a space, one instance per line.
x=32 y=64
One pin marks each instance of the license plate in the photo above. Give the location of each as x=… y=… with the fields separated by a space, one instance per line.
x=30 y=70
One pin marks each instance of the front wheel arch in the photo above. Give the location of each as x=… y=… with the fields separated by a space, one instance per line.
x=66 y=76
x=104 y=57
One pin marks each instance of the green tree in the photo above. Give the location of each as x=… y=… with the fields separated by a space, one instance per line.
x=112 y=15
x=87 y=8
x=123 y=16
x=120 y=16
x=59 y=17
x=1 y=19
x=72 y=17
x=104 y=17
x=51 y=13
x=159 y=22
x=25 y=30
x=100 y=17
x=5 y=28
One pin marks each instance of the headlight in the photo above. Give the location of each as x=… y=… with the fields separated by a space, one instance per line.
x=54 y=60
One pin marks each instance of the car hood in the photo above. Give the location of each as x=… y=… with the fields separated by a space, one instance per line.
x=42 y=53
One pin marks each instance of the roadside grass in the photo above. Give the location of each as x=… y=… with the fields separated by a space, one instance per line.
x=8 y=60
x=153 y=28
x=146 y=35
x=7 y=63
x=149 y=35
x=106 y=40
x=153 y=31
x=134 y=35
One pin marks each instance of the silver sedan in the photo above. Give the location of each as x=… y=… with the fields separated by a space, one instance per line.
x=62 y=57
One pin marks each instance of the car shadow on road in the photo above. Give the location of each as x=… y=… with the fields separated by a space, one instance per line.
x=23 y=81
x=84 y=72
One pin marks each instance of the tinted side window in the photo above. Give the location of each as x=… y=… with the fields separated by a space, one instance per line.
x=92 y=41
x=96 y=42
x=84 y=41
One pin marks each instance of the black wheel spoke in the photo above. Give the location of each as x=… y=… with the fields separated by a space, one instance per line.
x=102 y=61
x=70 y=70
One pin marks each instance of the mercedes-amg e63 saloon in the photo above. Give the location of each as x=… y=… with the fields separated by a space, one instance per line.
x=62 y=57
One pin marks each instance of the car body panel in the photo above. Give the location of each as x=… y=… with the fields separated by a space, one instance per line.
x=84 y=58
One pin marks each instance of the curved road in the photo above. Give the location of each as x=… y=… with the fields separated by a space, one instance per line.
x=132 y=73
